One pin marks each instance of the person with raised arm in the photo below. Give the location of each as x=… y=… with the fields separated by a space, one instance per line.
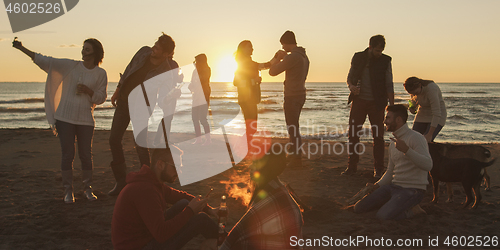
x=73 y=89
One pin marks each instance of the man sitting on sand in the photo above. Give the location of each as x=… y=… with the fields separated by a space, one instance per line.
x=402 y=187
x=273 y=215
x=140 y=220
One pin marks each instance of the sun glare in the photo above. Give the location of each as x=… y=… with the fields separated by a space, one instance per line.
x=225 y=69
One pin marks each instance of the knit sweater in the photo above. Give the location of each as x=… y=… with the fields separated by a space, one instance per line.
x=432 y=109
x=61 y=101
x=408 y=170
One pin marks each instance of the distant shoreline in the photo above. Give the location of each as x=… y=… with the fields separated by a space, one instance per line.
x=306 y=82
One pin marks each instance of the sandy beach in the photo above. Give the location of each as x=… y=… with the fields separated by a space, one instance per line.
x=33 y=215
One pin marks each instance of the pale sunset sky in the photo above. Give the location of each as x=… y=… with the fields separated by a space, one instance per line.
x=446 y=41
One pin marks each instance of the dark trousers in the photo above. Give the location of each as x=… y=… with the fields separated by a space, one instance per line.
x=359 y=110
x=423 y=128
x=292 y=108
x=121 y=119
x=199 y=115
x=198 y=224
x=84 y=134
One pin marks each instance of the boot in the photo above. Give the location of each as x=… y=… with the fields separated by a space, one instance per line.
x=120 y=173
x=67 y=179
x=87 y=185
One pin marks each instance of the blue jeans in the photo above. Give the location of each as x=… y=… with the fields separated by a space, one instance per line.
x=198 y=224
x=423 y=128
x=84 y=135
x=292 y=108
x=394 y=202
x=121 y=119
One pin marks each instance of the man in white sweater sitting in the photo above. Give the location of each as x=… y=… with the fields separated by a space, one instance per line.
x=402 y=187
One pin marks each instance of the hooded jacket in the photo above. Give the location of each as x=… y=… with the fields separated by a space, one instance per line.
x=138 y=216
x=296 y=65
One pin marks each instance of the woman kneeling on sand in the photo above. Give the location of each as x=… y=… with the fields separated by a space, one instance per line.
x=72 y=91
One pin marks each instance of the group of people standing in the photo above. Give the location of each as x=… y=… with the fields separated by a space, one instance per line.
x=74 y=88
x=294 y=62
x=400 y=189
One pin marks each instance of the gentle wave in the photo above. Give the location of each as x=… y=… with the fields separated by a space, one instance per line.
x=267 y=110
x=268 y=101
x=457 y=118
x=473 y=109
x=491 y=117
x=25 y=100
x=41 y=109
x=21 y=110
x=224 y=97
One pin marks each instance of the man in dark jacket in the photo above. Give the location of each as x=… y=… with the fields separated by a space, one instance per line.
x=296 y=66
x=146 y=63
x=371 y=87
x=139 y=217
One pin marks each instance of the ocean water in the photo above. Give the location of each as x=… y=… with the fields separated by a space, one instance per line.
x=473 y=110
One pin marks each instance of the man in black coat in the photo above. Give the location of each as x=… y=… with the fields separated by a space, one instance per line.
x=371 y=88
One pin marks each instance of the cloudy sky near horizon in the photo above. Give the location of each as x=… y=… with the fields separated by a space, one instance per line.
x=443 y=40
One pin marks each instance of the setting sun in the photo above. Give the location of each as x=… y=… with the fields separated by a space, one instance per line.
x=224 y=70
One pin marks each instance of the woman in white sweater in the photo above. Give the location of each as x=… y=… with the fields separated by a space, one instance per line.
x=430 y=117
x=72 y=91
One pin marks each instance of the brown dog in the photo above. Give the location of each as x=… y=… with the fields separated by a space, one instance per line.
x=457 y=151
x=468 y=171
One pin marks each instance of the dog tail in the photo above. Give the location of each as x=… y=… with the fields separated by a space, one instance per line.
x=487 y=164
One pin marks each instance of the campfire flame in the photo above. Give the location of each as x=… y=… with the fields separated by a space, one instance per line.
x=237 y=187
